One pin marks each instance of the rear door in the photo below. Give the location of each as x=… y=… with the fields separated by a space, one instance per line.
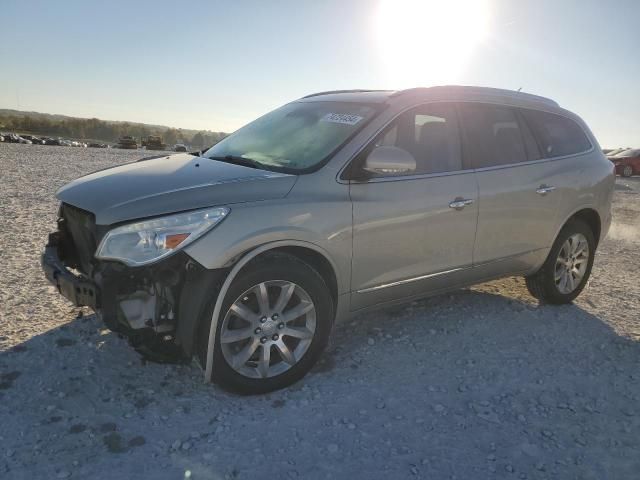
x=517 y=192
x=407 y=240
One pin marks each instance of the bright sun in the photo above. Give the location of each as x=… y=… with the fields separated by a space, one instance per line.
x=427 y=42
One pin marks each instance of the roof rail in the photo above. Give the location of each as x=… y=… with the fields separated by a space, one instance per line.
x=343 y=91
x=479 y=90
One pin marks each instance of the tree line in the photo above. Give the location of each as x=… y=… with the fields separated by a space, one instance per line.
x=95 y=129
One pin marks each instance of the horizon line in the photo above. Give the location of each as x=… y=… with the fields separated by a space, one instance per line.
x=114 y=121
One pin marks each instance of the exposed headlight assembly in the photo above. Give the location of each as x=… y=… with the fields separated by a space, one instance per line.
x=148 y=241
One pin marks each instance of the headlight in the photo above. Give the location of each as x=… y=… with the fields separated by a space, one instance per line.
x=148 y=241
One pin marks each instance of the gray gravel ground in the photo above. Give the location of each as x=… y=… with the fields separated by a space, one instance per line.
x=482 y=383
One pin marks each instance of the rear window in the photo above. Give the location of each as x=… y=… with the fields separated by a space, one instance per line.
x=628 y=153
x=557 y=136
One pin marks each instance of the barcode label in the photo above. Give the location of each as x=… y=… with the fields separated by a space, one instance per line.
x=343 y=118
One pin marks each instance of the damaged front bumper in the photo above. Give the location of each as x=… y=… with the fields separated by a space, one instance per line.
x=160 y=308
x=78 y=290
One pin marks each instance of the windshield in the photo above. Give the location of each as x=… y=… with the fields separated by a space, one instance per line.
x=621 y=152
x=628 y=153
x=295 y=137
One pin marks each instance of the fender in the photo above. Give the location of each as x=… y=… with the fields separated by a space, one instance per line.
x=239 y=265
x=573 y=212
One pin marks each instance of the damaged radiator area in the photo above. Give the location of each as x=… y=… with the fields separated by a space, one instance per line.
x=158 y=307
x=143 y=303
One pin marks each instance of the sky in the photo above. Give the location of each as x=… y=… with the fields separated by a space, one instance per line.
x=217 y=65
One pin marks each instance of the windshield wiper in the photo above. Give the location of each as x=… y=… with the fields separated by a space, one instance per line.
x=238 y=160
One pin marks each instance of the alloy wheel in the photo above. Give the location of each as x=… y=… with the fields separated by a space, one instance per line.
x=268 y=329
x=571 y=264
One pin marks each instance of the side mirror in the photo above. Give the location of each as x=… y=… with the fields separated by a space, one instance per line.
x=390 y=160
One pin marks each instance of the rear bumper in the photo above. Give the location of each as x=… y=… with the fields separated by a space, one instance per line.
x=78 y=290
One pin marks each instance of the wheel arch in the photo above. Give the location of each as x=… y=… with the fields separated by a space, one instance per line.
x=306 y=251
x=314 y=258
x=588 y=215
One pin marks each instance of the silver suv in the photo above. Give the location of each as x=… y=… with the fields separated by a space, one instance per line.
x=244 y=255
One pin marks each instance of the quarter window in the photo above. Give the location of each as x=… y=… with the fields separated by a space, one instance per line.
x=492 y=135
x=557 y=135
x=430 y=134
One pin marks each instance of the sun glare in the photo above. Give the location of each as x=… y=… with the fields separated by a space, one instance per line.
x=427 y=42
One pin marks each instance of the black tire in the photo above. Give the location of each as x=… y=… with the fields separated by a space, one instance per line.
x=542 y=284
x=276 y=266
x=627 y=171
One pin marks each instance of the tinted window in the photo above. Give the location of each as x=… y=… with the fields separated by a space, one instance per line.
x=492 y=135
x=557 y=135
x=430 y=134
x=530 y=144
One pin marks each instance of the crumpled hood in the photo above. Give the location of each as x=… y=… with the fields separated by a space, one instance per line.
x=170 y=184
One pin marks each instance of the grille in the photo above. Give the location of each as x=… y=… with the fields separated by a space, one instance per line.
x=80 y=237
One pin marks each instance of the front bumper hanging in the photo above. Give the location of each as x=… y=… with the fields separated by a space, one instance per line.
x=158 y=307
x=79 y=290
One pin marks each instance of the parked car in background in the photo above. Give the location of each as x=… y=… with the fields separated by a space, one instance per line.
x=53 y=141
x=32 y=138
x=627 y=163
x=127 y=142
x=350 y=201
x=180 y=147
x=15 y=138
x=153 y=142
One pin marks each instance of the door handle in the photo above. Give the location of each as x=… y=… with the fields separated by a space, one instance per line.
x=459 y=203
x=544 y=189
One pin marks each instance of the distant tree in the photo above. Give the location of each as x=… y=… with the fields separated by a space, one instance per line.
x=96 y=129
x=198 y=140
x=170 y=136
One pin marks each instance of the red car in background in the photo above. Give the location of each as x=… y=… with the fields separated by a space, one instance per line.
x=627 y=163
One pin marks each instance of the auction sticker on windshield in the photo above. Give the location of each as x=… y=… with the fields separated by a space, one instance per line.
x=344 y=118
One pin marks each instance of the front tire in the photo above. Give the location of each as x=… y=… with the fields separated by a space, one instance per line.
x=274 y=324
x=568 y=266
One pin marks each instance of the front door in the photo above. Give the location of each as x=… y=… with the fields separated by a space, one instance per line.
x=409 y=235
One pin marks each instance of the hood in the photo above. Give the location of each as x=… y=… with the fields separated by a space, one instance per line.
x=170 y=184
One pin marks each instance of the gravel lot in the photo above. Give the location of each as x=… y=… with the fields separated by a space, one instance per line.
x=482 y=383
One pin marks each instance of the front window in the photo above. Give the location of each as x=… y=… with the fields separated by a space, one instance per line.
x=430 y=133
x=296 y=137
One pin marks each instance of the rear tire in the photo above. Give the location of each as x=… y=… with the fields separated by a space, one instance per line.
x=566 y=270
x=285 y=344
